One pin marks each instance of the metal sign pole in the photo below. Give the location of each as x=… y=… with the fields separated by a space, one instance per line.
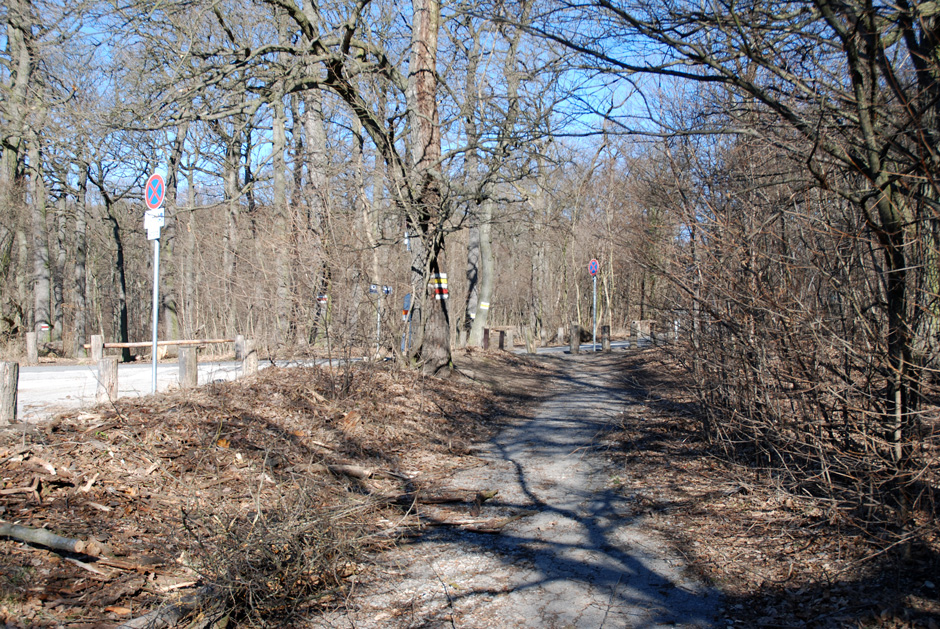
x=156 y=309
x=594 y=313
x=154 y=193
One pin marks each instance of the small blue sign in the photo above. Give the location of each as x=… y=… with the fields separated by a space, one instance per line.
x=592 y=268
x=387 y=290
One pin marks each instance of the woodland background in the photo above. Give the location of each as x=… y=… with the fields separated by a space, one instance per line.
x=766 y=174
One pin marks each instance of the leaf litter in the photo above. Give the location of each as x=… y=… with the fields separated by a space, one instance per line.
x=306 y=475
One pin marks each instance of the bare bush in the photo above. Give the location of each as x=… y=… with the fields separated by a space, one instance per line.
x=273 y=565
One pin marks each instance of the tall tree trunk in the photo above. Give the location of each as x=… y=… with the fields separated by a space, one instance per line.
x=58 y=277
x=427 y=214
x=230 y=243
x=487 y=273
x=318 y=201
x=189 y=260
x=79 y=321
x=169 y=291
x=281 y=218
x=42 y=270
x=123 y=326
x=15 y=110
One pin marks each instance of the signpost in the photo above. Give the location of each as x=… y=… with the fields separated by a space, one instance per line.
x=592 y=269
x=406 y=316
x=154 y=194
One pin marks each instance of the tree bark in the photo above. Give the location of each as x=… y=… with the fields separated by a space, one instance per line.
x=42 y=270
x=169 y=264
x=281 y=218
x=80 y=318
x=426 y=215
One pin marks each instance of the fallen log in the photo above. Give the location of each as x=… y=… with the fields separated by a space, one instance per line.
x=441 y=497
x=50 y=539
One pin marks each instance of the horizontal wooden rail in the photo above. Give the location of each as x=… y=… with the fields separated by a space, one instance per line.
x=150 y=344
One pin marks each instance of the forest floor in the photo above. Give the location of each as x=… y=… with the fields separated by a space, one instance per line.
x=564 y=491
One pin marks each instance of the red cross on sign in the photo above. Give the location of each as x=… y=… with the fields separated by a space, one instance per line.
x=154 y=192
x=592 y=268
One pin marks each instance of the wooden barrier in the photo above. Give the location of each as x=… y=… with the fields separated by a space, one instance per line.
x=605 y=339
x=239 y=347
x=506 y=337
x=574 y=343
x=107 y=380
x=486 y=339
x=180 y=342
x=188 y=368
x=9 y=381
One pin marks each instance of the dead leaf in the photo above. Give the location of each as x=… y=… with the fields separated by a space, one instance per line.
x=120 y=611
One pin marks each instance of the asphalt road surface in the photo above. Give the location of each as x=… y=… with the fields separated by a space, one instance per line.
x=47 y=390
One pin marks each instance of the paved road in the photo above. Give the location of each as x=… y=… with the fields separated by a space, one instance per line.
x=46 y=390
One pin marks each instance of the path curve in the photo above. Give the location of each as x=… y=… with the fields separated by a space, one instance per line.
x=575 y=559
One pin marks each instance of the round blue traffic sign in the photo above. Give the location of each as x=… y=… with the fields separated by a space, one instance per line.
x=154 y=192
x=592 y=268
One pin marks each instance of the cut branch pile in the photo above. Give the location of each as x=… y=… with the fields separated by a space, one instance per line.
x=123 y=505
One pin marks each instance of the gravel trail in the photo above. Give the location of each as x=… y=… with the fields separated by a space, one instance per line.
x=573 y=558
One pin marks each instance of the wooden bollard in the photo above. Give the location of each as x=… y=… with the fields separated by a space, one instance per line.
x=9 y=382
x=574 y=343
x=97 y=347
x=501 y=344
x=486 y=339
x=32 y=348
x=107 y=379
x=510 y=340
x=250 y=362
x=188 y=368
x=239 y=347
x=605 y=339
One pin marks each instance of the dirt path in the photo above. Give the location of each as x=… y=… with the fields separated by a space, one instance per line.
x=573 y=559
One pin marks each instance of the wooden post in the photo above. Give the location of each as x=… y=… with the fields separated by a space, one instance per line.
x=561 y=334
x=510 y=340
x=502 y=339
x=605 y=339
x=107 y=379
x=188 y=368
x=239 y=347
x=32 y=349
x=486 y=339
x=97 y=347
x=574 y=343
x=250 y=363
x=9 y=381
